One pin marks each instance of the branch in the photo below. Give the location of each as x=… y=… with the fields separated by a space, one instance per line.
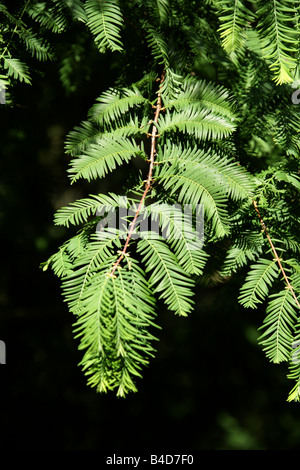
x=148 y=181
x=276 y=254
x=15 y=30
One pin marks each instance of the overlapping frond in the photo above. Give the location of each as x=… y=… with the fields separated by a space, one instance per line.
x=113 y=324
x=62 y=261
x=52 y=16
x=158 y=45
x=200 y=94
x=285 y=129
x=85 y=265
x=77 y=10
x=234 y=18
x=18 y=38
x=161 y=48
x=225 y=172
x=197 y=189
x=163 y=9
x=278 y=28
x=167 y=279
x=185 y=240
x=81 y=137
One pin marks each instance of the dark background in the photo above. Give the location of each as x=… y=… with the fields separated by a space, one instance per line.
x=210 y=386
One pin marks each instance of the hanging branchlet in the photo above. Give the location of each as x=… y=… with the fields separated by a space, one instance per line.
x=277 y=258
x=149 y=179
x=112 y=294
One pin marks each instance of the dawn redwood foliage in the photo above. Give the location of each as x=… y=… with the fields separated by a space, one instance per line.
x=204 y=100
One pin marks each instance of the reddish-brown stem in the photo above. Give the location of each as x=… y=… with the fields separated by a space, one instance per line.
x=148 y=181
x=276 y=254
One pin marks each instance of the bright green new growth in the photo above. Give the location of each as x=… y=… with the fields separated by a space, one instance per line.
x=276 y=32
x=225 y=145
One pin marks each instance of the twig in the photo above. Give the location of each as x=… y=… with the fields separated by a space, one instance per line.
x=276 y=254
x=15 y=30
x=148 y=181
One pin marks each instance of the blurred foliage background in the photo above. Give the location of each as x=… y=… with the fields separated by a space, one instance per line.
x=209 y=387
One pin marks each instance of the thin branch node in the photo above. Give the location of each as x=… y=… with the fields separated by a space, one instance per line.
x=111 y=275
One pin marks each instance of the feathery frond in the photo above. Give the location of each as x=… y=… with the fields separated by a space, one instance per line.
x=236 y=258
x=102 y=158
x=279 y=325
x=17 y=69
x=105 y=21
x=113 y=327
x=163 y=9
x=225 y=173
x=113 y=103
x=235 y=18
x=51 y=17
x=184 y=239
x=201 y=124
x=78 y=212
x=258 y=282
x=197 y=189
x=38 y=48
x=89 y=133
x=279 y=33
x=200 y=94
x=167 y=277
